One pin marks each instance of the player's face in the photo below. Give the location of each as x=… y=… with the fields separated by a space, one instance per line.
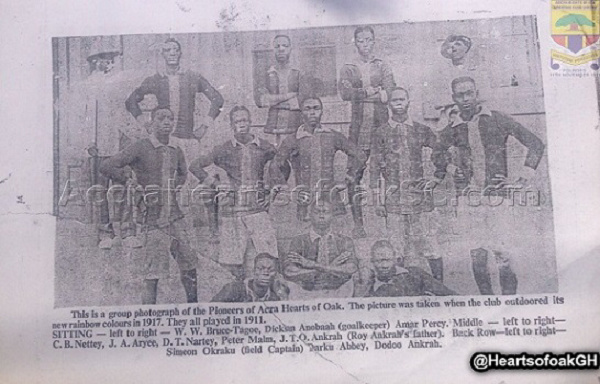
x=171 y=53
x=457 y=49
x=364 y=42
x=321 y=215
x=384 y=262
x=399 y=102
x=283 y=48
x=240 y=122
x=465 y=95
x=105 y=65
x=312 y=111
x=264 y=272
x=163 y=122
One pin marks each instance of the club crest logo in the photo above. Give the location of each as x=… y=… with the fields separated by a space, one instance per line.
x=576 y=30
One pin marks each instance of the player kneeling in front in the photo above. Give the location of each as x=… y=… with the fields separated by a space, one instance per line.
x=264 y=286
x=321 y=262
x=389 y=277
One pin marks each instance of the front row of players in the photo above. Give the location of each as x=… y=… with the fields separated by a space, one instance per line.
x=322 y=261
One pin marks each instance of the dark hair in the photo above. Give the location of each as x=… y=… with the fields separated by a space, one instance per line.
x=267 y=256
x=238 y=108
x=364 y=28
x=462 y=79
x=397 y=89
x=286 y=36
x=153 y=113
x=172 y=40
x=382 y=244
x=311 y=97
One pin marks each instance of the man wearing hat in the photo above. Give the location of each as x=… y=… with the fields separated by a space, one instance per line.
x=99 y=127
x=456 y=48
x=460 y=60
x=102 y=62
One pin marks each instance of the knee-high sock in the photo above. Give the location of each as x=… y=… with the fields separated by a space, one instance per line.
x=355 y=205
x=190 y=285
x=354 y=194
x=508 y=279
x=437 y=268
x=150 y=289
x=479 y=258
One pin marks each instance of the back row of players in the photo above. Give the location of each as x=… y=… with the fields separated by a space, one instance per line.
x=319 y=263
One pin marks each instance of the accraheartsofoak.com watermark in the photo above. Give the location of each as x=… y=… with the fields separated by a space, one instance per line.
x=404 y=194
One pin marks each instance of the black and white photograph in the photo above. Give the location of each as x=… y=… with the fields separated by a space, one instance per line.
x=309 y=191
x=354 y=161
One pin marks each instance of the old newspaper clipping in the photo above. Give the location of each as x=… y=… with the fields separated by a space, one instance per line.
x=362 y=200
